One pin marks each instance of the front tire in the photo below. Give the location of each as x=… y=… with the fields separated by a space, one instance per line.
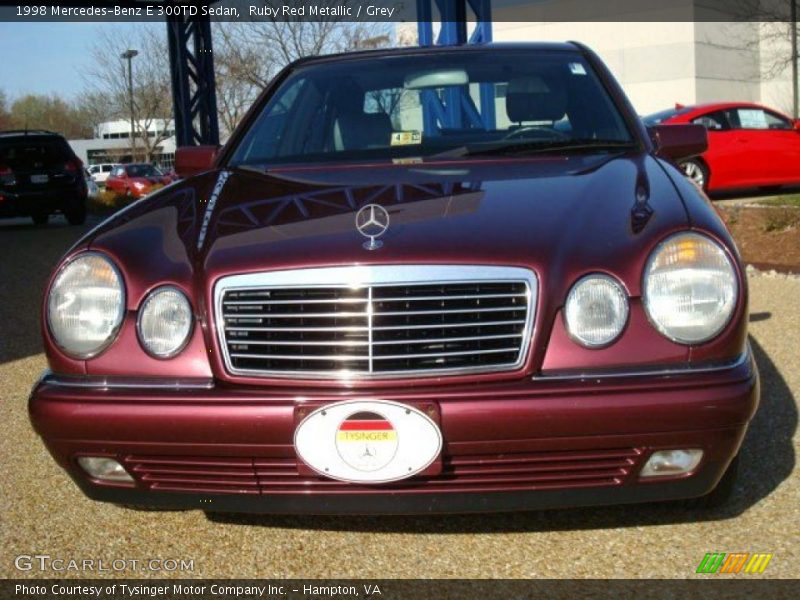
x=696 y=171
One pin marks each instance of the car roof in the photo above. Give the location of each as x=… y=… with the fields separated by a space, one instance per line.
x=712 y=106
x=435 y=50
x=24 y=133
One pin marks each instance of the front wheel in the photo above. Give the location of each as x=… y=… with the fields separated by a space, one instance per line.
x=696 y=171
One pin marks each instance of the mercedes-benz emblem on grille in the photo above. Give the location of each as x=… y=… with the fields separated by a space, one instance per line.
x=372 y=221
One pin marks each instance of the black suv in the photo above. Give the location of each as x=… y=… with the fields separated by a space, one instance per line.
x=40 y=175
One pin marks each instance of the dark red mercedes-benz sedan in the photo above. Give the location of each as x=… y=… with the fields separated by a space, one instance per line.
x=422 y=280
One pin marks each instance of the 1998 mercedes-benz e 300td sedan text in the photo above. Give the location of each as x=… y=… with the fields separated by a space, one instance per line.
x=419 y=280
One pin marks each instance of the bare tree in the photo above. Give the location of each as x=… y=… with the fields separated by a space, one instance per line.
x=249 y=54
x=775 y=40
x=151 y=83
x=96 y=108
x=51 y=112
x=5 y=118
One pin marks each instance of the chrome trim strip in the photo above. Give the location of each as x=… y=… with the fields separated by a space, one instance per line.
x=448 y=298
x=369 y=276
x=661 y=371
x=292 y=329
x=110 y=383
x=446 y=340
x=452 y=325
x=309 y=301
x=331 y=357
x=255 y=315
x=445 y=354
x=404 y=313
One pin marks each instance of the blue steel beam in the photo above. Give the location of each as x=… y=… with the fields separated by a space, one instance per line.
x=193 y=88
x=456 y=108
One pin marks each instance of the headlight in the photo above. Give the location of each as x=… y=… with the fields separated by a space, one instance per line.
x=86 y=305
x=165 y=322
x=690 y=288
x=138 y=185
x=596 y=310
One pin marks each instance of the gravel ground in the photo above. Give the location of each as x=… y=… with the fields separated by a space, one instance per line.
x=41 y=511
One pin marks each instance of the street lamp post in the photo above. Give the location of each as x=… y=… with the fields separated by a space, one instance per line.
x=128 y=55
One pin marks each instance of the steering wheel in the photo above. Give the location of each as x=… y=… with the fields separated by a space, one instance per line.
x=534 y=131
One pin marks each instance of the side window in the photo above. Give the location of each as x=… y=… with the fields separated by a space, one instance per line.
x=107 y=168
x=776 y=121
x=265 y=137
x=716 y=121
x=752 y=118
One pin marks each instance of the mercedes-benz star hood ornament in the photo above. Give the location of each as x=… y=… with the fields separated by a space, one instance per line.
x=372 y=221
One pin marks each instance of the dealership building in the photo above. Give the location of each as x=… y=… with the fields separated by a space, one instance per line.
x=660 y=64
x=112 y=143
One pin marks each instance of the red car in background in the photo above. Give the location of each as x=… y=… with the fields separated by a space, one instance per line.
x=136 y=180
x=748 y=145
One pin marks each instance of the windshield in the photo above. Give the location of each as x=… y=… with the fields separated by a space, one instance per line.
x=430 y=104
x=32 y=154
x=142 y=171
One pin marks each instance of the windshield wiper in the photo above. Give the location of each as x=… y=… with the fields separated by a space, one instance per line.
x=535 y=147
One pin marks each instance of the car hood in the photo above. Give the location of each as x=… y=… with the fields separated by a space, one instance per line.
x=560 y=216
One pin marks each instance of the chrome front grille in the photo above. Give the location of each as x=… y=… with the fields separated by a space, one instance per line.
x=379 y=321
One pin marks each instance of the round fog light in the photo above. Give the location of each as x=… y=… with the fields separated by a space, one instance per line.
x=596 y=310
x=104 y=468
x=165 y=322
x=671 y=462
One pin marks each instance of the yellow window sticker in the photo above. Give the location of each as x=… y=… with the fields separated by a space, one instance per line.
x=405 y=138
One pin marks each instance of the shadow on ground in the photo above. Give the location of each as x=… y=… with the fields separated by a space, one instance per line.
x=754 y=192
x=768 y=458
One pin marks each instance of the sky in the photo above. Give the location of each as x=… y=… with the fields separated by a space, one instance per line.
x=43 y=58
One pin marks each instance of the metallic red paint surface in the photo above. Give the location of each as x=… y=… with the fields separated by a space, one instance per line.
x=709 y=411
x=560 y=216
x=740 y=158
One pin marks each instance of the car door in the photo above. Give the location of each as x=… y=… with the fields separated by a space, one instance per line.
x=763 y=160
x=724 y=153
x=114 y=181
x=784 y=141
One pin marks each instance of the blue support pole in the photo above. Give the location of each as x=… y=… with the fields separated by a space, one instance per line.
x=482 y=34
x=456 y=108
x=193 y=89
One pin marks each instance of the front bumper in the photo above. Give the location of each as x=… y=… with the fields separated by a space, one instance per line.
x=529 y=444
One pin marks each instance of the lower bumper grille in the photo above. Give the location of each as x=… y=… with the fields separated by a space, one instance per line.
x=468 y=473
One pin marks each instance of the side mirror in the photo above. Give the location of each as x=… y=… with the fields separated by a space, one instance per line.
x=797 y=125
x=678 y=142
x=191 y=160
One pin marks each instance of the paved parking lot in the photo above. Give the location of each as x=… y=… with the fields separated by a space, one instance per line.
x=42 y=512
